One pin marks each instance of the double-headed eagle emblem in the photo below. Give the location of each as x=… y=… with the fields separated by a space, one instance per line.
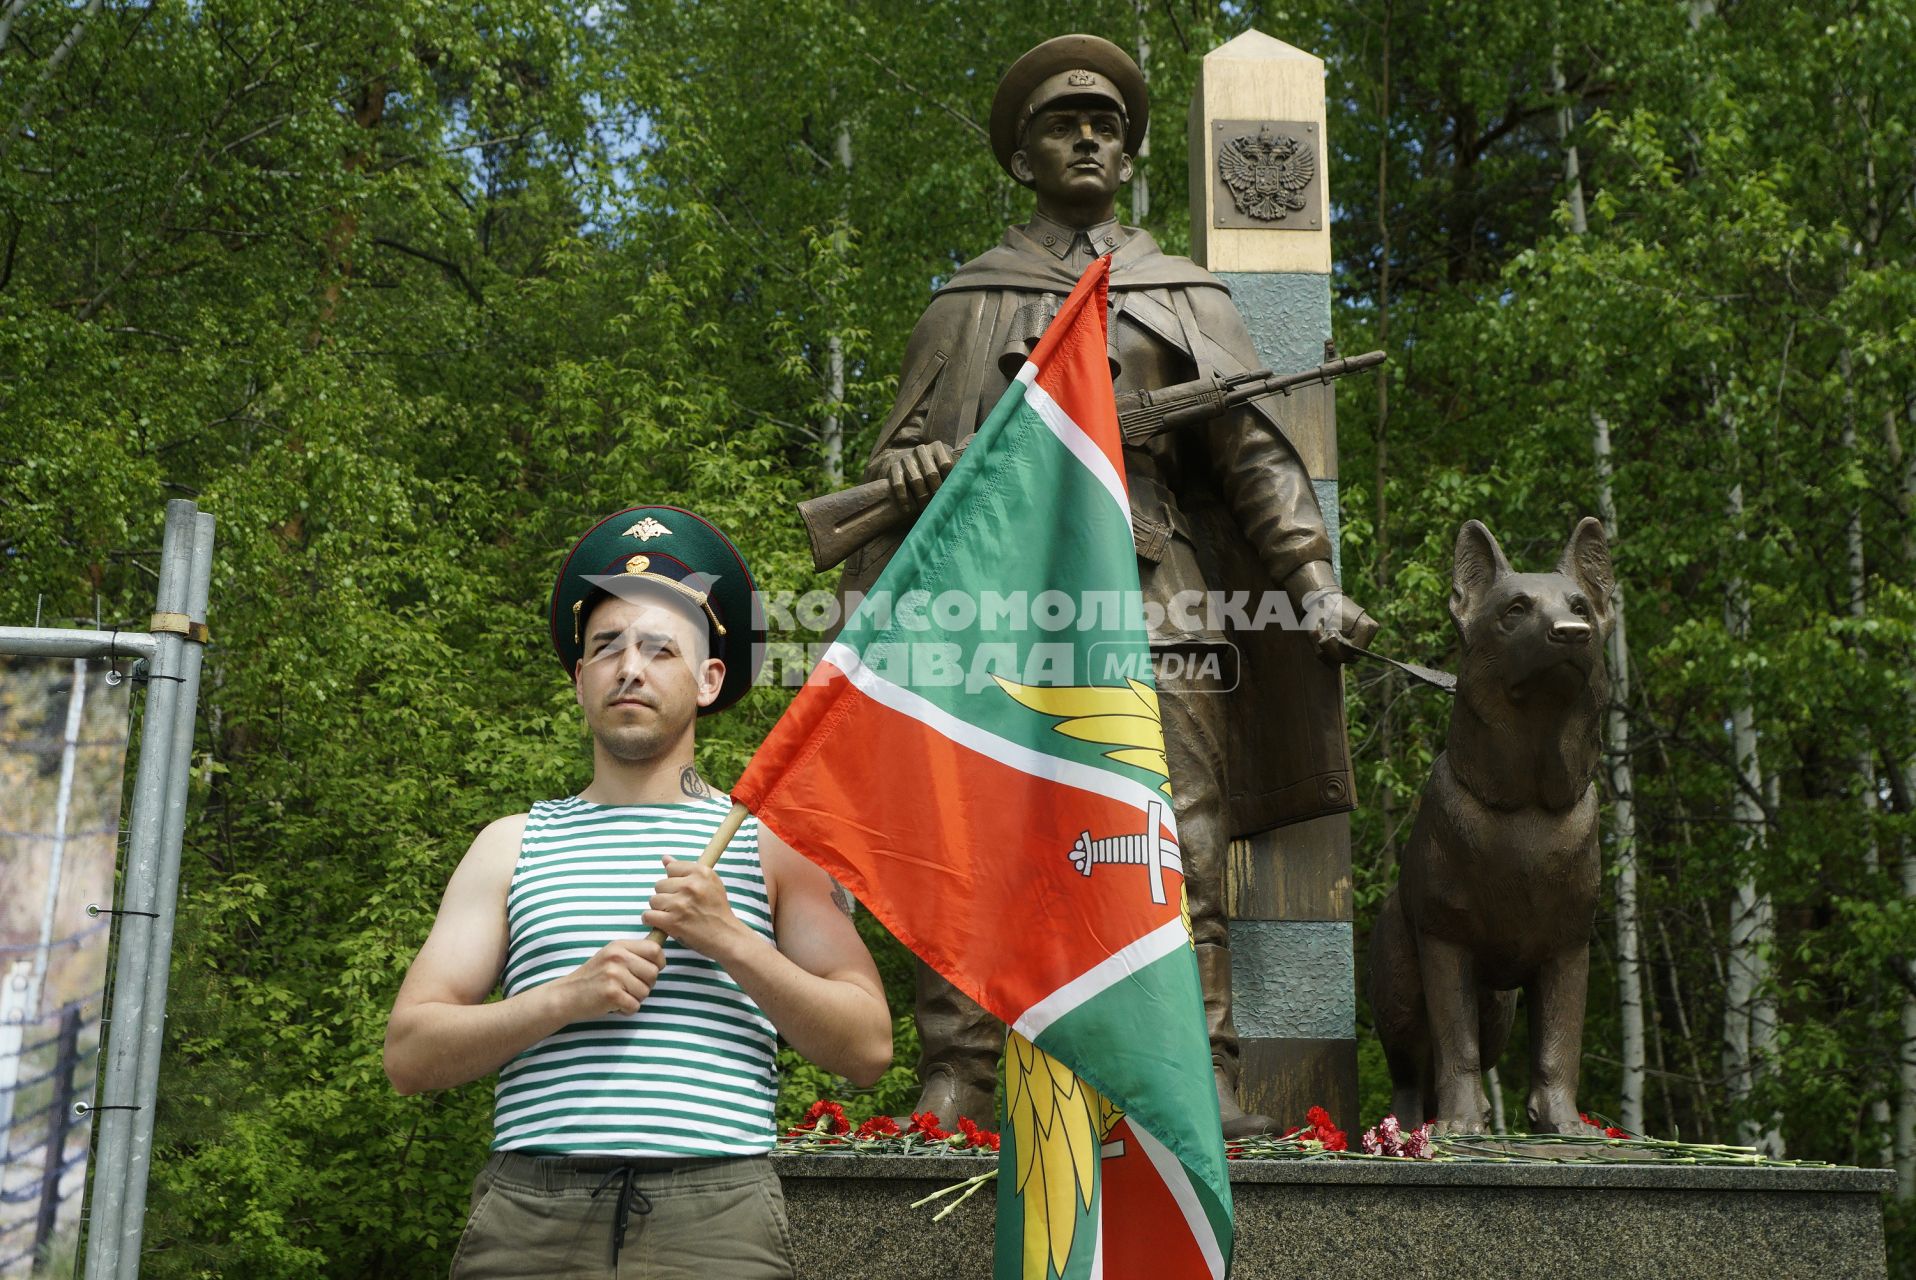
x=1267 y=173
x=646 y=530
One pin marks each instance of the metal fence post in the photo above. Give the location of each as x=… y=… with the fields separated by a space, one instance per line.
x=159 y=786
x=58 y=1121
x=159 y=971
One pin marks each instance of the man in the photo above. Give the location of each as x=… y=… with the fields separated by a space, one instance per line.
x=633 y=1111
x=1228 y=508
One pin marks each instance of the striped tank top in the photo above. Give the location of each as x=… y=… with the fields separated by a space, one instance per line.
x=693 y=1072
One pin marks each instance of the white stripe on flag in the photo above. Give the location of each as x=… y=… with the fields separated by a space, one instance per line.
x=1097 y=1240
x=1076 y=439
x=1177 y=1180
x=1038 y=764
x=1107 y=973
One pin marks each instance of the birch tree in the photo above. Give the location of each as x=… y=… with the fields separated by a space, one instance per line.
x=1623 y=812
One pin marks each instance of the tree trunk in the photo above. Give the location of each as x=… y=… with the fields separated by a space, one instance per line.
x=1864 y=761
x=1903 y=465
x=833 y=435
x=1386 y=683
x=1140 y=174
x=1381 y=534
x=368 y=110
x=1616 y=725
x=48 y=70
x=1749 y=1020
x=7 y=15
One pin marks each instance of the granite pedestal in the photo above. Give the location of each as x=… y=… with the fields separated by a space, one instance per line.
x=852 y=1220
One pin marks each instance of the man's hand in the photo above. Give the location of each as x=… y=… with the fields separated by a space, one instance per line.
x=615 y=980
x=690 y=905
x=443 y=1031
x=915 y=474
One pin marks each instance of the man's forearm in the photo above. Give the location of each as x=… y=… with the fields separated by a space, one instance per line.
x=835 y=1023
x=439 y=1045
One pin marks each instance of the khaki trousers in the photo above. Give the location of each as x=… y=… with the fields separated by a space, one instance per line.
x=536 y=1218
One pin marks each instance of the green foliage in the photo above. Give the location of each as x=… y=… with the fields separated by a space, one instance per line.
x=1731 y=314
x=407 y=296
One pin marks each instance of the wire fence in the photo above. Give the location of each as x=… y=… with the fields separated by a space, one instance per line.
x=63 y=732
x=43 y=1171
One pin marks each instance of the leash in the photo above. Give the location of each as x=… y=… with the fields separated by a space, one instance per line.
x=1435 y=679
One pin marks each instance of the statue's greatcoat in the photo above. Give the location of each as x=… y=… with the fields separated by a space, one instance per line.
x=1227 y=508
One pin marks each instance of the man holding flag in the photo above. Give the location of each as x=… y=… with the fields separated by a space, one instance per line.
x=1221 y=513
x=633 y=1113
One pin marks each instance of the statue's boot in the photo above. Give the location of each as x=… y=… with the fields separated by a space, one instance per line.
x=958 y=1071
x=1214 y=974
x=950 y=1092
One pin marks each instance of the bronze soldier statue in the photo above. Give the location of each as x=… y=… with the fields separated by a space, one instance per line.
x=1223 y=509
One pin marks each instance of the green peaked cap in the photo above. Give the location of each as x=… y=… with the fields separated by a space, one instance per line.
x=673 y=550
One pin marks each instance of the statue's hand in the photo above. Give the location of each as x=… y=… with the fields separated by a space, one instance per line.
x=1336 y=619
x=915 y=474
x=1333 y=617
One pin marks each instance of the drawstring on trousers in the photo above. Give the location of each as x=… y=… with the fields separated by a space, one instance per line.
x=628 y=1196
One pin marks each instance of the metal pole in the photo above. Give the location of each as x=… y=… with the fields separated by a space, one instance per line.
x=54 y=642
x=153 y=1024
x=17 y=999
x=153 y=792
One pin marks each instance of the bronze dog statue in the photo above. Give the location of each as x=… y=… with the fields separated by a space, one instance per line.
x=1499 y=882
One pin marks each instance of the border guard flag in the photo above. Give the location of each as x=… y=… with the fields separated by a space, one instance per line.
x=979 y=758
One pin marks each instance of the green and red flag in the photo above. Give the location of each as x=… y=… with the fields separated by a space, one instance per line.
x=980 y=758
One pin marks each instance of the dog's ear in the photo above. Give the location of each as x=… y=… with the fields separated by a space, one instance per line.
x=1477 y=563
x=1586 y=558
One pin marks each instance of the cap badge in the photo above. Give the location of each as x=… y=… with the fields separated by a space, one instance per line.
x=638 y=564
x=645 y=530
x=1081 y=79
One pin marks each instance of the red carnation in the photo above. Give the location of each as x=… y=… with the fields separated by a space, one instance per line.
x=878 y=1127
x=975 y=1138
x=824 y=1118
x=1609 y=1131
x=925 y=1125
x=1323 y=1131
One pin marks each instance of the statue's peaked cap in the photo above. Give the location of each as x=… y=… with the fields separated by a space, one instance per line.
x=1045 y=72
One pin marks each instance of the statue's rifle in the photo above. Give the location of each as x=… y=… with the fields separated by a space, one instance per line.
x=840 y=523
